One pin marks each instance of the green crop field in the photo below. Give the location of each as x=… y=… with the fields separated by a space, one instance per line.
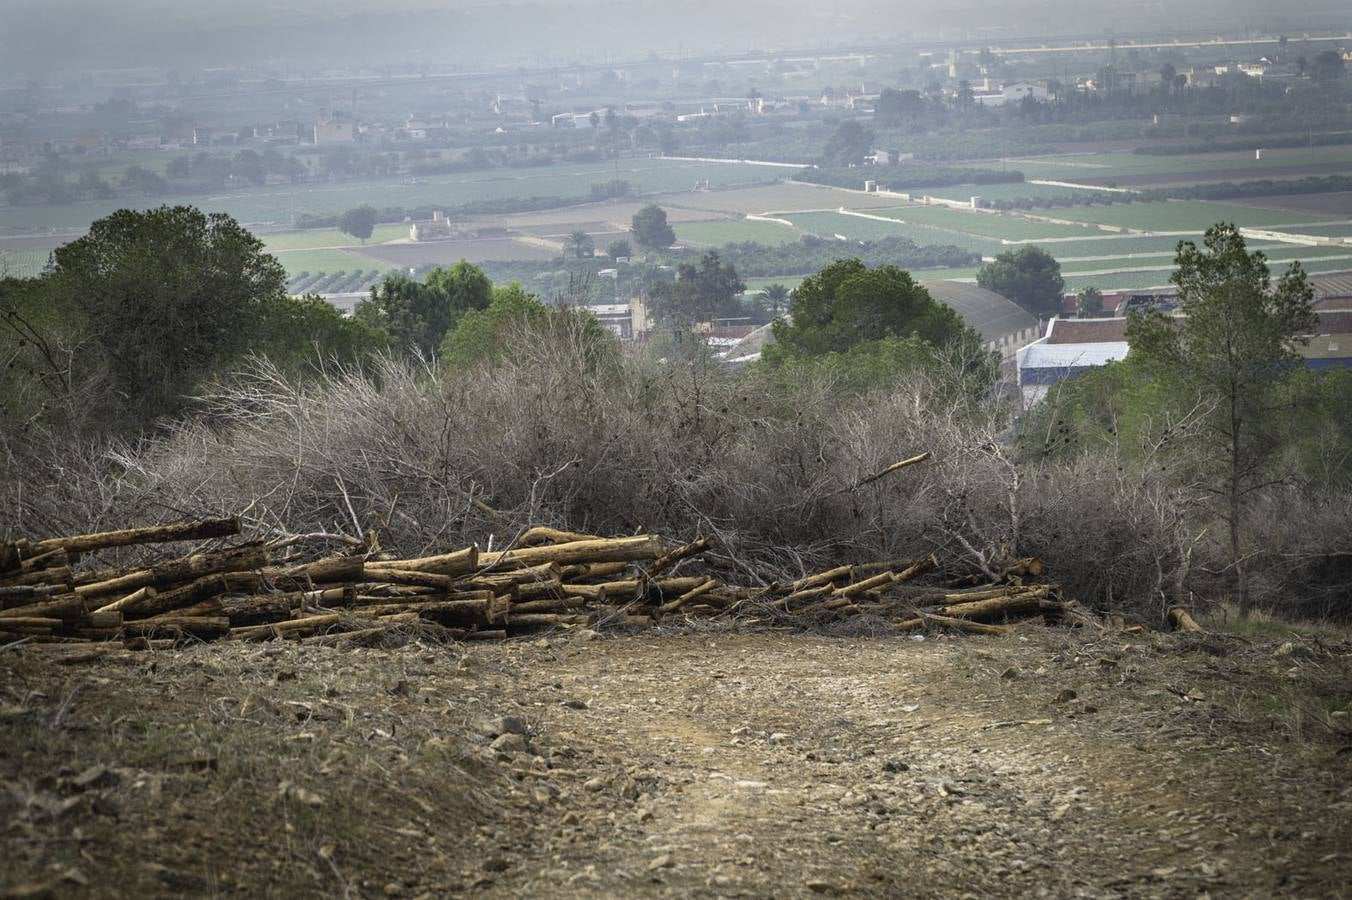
x=983 y=224
x=312 y=261
x=1341 y=230
x=856 y=228
x=277 y=203
x=1144 y=169
x=1188 y=215
x=734 y=231
x=320 y=238
x=1011 y=191
x=22 y=263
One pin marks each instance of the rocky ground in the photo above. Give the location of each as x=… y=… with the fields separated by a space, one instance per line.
x=718 y=763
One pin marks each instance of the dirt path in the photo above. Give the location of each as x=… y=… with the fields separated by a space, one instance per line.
x=692 y=765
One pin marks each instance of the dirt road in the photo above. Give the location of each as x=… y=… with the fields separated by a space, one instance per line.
x=714 y=764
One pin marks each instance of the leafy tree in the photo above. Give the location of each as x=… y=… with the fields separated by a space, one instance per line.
x=700 y=293
x=618 y=249
x=492 y=335
x=1327 y=66
x=178 y=167
x=848 y=144
x=1030 y=277
x=650 y=230
x=360 y=222
x=847 y=303
x=896 y=107
x=418 y=315
x=151 y=302
x=299 y=331
x=776 y=298
x=580 y=244
x=1230 y=353
x=1089 y=302
x=146 y=182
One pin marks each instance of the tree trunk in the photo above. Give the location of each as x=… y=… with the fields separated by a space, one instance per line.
x=156 y=534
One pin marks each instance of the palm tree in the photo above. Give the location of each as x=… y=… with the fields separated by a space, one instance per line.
x=776 y=297
x=579 y=243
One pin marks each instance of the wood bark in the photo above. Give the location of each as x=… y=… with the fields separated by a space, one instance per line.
x=1182 y=621
x=626 y=549
x=688 y=596
x=155 y=534
x=965 y=624
x=461 y=562
x=203 y=628
x=195 y=591
x=59 y=575
x=243 y=558
x=685 y=551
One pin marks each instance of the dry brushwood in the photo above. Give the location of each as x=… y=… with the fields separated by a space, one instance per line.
x=549 y=579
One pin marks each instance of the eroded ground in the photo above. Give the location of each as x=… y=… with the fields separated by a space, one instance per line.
x=712 y=764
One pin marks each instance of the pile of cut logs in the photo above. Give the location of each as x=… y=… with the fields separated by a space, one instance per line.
x=547 y=579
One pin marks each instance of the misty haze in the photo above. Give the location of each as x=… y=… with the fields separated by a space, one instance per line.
x=582 y=448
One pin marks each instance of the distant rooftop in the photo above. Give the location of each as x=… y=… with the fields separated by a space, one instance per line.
x=986 y=311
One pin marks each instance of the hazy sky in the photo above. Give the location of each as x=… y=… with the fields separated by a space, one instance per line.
x=46 y=36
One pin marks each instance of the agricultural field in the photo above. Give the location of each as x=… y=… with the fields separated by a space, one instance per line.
x=22 y=263
x=1343 y=230
x=729 y=231
x=775 y=199
x=331 y=260
x=325 y=238
x=278 y=203
x=989 y=225
x=451 y=252
x=1143 y=170
x=857 y=228
x=1336 y=203
x=1011 y=191
x=1184 y=215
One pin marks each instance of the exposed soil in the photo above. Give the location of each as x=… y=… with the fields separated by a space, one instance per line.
x=696 y=764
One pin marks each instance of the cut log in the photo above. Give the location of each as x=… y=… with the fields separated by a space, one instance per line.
x=965 y=625
x=63 y=606
x=840 y=573
x=627 y=549
x=29 y=593
x=585 y=571
x=329 y=570
x=542 y=534
x=1023 y=601
x=882 y=579
x=52 y=559
x=204 y=628
x=544 y=620
x=131 y=600
x=685 y=551
x=1182 y=621
x=59 y=575
x=155 y=534
x=32 y=623
x=460 y=562
x=243 y=558
x=195 y=591
x=688 y=596
x=411 y=577
x=557 y=604
x=282 y=629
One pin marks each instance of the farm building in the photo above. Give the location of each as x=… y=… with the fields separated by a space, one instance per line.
x=1004 y=325
x=1073 y=346
x=436 y=229
x=1070 y=347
